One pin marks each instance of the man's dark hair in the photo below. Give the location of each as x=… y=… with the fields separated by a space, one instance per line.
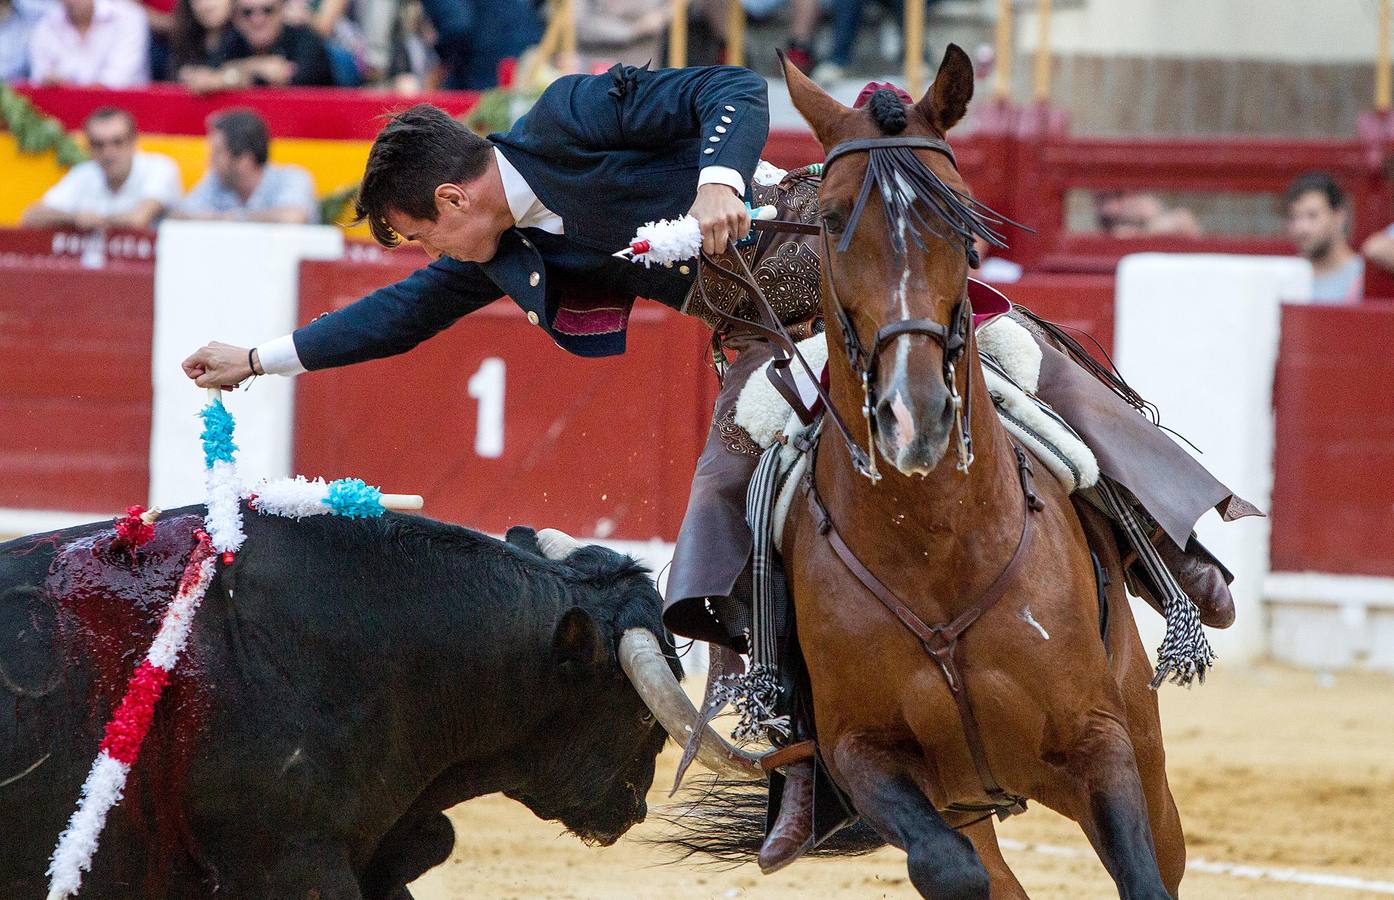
x=103 y=113
x=1319 y=183
x=415 y=152
x=243 y=131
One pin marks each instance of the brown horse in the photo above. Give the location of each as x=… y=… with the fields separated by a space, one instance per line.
x=1064 y=715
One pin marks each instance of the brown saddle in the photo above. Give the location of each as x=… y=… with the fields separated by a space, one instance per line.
x=784 y=264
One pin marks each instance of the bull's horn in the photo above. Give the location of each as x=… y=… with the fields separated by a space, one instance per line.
x=556 y=544
x=643 y=661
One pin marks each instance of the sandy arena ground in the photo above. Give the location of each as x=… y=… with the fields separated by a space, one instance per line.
x=1272 y=768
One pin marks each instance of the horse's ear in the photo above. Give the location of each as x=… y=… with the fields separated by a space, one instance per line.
x=819 y=110
x=947 y=98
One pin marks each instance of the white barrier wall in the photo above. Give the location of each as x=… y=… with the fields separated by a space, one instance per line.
x=1197 y=334
x=237 y=283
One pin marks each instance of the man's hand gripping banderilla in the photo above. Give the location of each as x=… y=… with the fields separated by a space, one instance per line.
x=722 y=215
x=218 y=365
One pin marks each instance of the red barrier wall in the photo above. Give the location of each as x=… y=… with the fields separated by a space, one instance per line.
x=1082 y=304
x=596 y=447
x=94 y=249
x=75 y=396
x=1333 y=492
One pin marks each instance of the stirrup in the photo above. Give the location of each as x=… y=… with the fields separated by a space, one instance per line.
x=784 y=756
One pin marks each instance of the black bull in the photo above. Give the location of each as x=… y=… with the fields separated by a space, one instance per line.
x=344 y=683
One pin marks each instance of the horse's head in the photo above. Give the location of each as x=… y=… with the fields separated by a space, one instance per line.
x=894 y=280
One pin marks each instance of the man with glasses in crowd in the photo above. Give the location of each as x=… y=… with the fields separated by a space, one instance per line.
x=261 y=49
x=119 y=187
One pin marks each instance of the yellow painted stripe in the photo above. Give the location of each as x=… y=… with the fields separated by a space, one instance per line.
x=332 y=165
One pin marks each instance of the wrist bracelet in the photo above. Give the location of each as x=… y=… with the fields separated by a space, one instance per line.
x=252 y=365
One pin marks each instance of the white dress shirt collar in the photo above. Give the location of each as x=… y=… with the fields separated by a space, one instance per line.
x=527 y=209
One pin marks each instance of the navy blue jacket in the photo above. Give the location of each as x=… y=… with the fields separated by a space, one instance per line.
x=607 y=153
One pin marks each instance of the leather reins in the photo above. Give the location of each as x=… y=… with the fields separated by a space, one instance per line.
x=940 y=642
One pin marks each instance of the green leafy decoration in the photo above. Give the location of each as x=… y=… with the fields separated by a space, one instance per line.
x=335 y=206
x=36 y=132
x=498 y=109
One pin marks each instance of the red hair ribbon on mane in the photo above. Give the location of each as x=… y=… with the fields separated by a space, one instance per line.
x=874 y=86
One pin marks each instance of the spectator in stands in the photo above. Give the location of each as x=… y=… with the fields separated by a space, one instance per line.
x=342 y=37
x=199 y=30
x=1379 y=248
x=1318 y=224
x=847 y=24
x=381 y=21
x=159 y=19
x=474 y=36
x=620 y=31
x=119 y=187
x=412 y=64
x=261 y=49
x=91 y=42
x=1131 y=214
x=16 y=25
x=240 y=184
x=708 y=20
x=15 y=28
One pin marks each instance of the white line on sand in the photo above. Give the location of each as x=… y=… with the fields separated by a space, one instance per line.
x=1259 y=873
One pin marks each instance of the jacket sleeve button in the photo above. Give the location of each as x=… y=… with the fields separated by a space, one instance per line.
x=686 y=270
x=532 y=317
x=534 y=278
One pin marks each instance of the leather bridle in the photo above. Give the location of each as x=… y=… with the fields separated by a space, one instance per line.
x=865 y=362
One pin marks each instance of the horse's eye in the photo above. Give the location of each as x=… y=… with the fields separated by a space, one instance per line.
x=833 y=221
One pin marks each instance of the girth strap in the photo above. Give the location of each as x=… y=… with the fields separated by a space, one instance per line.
x=941 y=641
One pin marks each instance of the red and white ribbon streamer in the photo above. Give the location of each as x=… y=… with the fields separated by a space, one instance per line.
x=120 y=747
x=126 y=731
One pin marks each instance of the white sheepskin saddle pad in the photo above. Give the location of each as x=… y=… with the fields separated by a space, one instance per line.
x=1012 y=367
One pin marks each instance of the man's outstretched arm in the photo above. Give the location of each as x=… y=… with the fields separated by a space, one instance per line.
x=390 y=320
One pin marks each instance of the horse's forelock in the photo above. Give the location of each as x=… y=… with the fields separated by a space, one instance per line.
x=888 y=111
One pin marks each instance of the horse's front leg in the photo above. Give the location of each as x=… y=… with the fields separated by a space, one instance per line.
x=1109 y=804
x=983 y=834
x=942 y=862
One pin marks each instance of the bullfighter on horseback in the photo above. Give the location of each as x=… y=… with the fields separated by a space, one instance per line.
x=536 y=212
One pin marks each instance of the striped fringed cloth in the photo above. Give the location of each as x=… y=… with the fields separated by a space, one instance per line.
x=1185 y=653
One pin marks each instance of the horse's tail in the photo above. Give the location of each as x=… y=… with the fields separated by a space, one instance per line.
x=723 y=823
